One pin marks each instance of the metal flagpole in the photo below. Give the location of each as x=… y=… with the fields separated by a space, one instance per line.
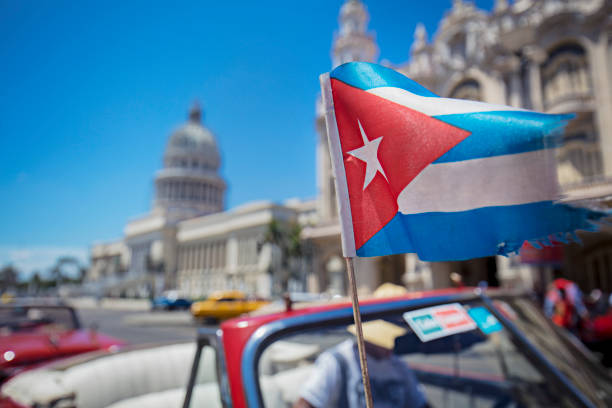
x=350 y=270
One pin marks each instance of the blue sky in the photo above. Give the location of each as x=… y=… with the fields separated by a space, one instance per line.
x=91 y=91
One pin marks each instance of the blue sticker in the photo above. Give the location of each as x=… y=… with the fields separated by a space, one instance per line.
x=486 y=322
x=427 y=324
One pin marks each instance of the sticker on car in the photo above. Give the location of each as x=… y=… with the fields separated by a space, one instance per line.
x=487 y=323
x=439 y=321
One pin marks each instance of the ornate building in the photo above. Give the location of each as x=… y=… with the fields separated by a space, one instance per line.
x=189 y=184
x=187 y=241
x=352 y=42
x=546 y=55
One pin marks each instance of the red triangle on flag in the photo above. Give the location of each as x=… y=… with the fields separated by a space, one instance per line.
x=411 y=141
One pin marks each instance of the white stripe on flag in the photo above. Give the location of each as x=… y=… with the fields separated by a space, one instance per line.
x=434 y=106
x=342 y=198
x=493 y=181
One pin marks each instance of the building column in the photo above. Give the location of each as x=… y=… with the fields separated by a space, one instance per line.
x=325 y=179
x=536 y=57
x=440 y=272
x=417 y=275
x=509 y=69
x=231 y=255
x=514 y=98
x=336 y=275
x=367 y=274
x=603 y=100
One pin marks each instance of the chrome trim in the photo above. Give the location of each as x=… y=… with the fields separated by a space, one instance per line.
x=213 y=337
x=222 y=379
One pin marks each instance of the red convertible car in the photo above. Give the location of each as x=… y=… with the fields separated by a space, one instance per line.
x=467 y=348
x=33 y=334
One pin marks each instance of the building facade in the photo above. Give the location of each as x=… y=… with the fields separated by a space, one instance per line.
x=229 y=250
x=109 y=262
x=548 y=55
x=187 y=241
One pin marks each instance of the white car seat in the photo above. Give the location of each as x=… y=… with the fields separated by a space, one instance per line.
x=102 y=380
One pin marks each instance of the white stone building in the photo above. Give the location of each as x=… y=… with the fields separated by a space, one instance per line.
x=227 y=250
x=547 y=55
x=109 y=262
x=187 y=240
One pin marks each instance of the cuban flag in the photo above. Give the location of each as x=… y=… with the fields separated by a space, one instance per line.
x=447 y=179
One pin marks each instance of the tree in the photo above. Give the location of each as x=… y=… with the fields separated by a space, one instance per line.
x=67 y=269
x=8 y=277
x=287 y=240
x=36 y=282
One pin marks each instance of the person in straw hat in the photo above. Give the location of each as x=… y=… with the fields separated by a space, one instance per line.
x=336 y=380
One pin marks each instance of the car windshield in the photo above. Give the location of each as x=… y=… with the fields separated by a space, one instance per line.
x=28 y=318
x=565 y=352
x=449 y=355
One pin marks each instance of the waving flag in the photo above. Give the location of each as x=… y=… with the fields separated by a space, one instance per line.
x=445 y=178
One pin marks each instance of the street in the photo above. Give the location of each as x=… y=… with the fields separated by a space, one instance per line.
x=139 y=327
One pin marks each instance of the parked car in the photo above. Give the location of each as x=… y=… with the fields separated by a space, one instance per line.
x=170 y=300
x=466 y=348
x=33 y=334
x=225 y=305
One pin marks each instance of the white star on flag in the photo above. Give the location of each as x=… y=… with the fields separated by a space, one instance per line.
x=369 y=154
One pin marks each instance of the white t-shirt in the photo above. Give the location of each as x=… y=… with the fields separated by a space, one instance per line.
x=393 y=383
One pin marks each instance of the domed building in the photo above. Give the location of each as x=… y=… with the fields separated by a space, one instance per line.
x=187 y=241
x=189 y=184
x=546 y=55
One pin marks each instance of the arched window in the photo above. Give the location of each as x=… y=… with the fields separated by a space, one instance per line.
x=467 y=89
x=565 y=75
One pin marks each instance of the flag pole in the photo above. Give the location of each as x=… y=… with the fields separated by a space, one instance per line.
x=350 y=270
x=344 y=210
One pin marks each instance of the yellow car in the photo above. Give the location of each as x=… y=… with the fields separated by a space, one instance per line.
x=225 y=305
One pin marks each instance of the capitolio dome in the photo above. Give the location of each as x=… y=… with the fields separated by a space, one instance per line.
x=189 y=185
x=192 y=141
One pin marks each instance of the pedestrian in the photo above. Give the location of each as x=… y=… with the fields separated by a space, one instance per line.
x=564 y=305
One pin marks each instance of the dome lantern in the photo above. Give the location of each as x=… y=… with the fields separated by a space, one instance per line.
x=195 y=113
x=189 y=184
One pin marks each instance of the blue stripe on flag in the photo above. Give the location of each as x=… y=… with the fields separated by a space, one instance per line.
x=504 y=132
x=365 y=75
x=444 y=236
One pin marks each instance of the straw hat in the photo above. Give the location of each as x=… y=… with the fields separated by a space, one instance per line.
x=389 y=290
x=380 y=333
